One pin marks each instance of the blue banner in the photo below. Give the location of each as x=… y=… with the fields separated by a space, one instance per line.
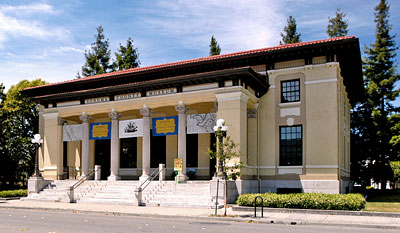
x=163 y=126
x=99 y=131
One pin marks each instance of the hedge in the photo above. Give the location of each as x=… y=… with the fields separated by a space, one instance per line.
x=14 y=193
x=320 y=201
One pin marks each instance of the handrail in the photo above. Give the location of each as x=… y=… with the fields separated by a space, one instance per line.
x=255 y=206
x=150 y=178
x=83 y=179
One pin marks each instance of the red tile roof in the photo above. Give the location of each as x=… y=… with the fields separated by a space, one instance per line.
x=192 y=61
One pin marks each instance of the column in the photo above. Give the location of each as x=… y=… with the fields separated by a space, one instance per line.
x=114 y=145
x=145 y=111
x=181 y=109
x=85 y=143
x=60 y=143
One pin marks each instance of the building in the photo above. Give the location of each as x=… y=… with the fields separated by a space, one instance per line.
x=287 y=106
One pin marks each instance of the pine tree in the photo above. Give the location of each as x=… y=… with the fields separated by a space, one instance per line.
x=337 y=26
x=127 y=56
x=290 y=34
x=214 y=47
x=98 y=58
x=379 y=77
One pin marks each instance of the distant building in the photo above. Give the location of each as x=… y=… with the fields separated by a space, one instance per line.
x=287 y=106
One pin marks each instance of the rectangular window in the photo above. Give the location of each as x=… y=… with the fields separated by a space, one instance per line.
x=128 y=153
x=291 y=146
x=290 y=91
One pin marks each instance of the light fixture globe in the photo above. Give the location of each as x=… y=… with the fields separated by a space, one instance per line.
x=220 y=122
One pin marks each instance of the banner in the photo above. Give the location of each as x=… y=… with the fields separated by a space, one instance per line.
x=201 y=123
x=131 y=128
x=72 y=133
x=163 y=126
x=99 y=131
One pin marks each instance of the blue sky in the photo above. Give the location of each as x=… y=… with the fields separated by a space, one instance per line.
x=47 y=39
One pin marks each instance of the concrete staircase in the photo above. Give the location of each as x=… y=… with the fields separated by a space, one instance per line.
x=191 y=194
x=111 y=192
x=58 y=190
x=157 y=193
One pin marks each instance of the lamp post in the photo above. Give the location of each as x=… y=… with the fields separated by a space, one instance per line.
x=220 y=132
x=37 y=140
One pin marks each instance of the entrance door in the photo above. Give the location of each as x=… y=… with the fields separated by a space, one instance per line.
x=102 y=156
x=158 y=150
x=213 y=162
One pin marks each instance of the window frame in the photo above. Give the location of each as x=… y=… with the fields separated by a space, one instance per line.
x=298 y=161
x=285 y=100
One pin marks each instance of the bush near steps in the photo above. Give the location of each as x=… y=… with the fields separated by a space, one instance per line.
x=14 y=193
x=321 y=201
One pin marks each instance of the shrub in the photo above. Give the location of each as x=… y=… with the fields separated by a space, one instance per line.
x=320 y=201
x=14 y=193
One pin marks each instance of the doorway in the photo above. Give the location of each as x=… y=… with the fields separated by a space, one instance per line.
x=102 y=156
x=213 y=162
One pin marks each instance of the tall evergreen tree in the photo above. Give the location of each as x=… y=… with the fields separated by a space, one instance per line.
x=214 y=47
x=290 y=34
x=337 y=26
x=373 y=130
x=127 y=56
x=98 y=58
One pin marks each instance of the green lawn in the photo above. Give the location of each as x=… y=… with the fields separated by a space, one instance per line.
x=389 y=202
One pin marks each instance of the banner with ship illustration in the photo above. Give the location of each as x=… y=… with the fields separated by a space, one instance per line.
x=131 y=128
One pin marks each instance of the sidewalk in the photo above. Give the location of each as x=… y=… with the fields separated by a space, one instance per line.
x=305 y=218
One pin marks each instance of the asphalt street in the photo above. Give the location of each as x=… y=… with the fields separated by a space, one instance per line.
x=12 y=220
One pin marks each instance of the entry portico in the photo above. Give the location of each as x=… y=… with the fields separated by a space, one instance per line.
x=192 y=99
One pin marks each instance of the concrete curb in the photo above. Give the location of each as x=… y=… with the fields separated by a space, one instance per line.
x=242 y=219
x=312 y=211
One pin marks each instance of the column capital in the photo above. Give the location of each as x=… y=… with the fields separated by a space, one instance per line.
x=85 y=118
x=61 y=121
x=181 y=108
x=145 y=111
x=114 y=115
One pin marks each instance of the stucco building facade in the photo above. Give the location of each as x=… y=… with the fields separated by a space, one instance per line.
x=288 y=108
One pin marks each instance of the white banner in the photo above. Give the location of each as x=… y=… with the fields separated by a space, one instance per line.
x=72 y=133
x=201 y=123
x=131 y=128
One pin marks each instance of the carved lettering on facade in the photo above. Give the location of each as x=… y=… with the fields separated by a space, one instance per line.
x=97 y=100
x=128 y=96
x=161 y=92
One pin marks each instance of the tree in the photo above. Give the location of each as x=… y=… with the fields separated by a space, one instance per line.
x=127 y=56
x=214 y=47
x=373 y=128
x=337 y=26
x=290 y=34
x=20 y=120
x=98 y=58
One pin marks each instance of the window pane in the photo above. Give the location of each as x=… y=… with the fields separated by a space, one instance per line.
x=290 y=146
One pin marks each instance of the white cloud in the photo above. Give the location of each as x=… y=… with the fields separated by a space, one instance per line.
x=69 y=49
x=236 y=24
x=12 y=26
x=28 y=9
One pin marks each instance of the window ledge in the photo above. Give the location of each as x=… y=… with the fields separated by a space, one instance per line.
x=290 y=104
